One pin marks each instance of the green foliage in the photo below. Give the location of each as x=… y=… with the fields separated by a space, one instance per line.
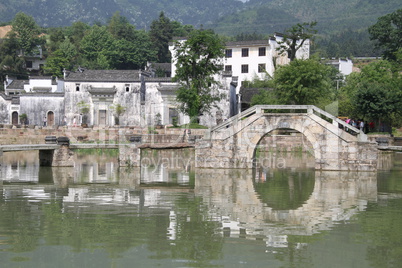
x=76 y=32
x=56 y=63
x=118 y=109
x=347 y=43
x=120 y=27
x=98 y=48
x=374 y=94
x=23 y=118
x=27 y=33
x=161 y=33
x=264 y=97
x=181 y=29
x=197 y=63
x=305 y=82
x=376 y=102
x=388 y=34
x=259 y=83
x=83 y=107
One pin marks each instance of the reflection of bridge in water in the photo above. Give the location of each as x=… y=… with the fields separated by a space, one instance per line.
x=234 y=198
x=336 y=196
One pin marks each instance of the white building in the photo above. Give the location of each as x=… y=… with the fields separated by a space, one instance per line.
x=247 y=60
x=37 y=84
x=344 y=66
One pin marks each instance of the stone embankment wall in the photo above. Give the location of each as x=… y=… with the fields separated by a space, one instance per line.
x=36 y=135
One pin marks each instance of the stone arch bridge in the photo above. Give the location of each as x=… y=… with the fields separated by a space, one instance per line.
x=232 y=144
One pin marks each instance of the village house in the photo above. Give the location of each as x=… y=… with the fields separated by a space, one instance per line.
x=90 y=97
x=246 y=61
x=35 y=61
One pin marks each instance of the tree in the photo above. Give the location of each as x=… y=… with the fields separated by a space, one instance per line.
x=377 y=102
x=295 y=37
x=63 y=58
x=27 y=33
x=132 y=47
x=180 y=29
x=56 y=38
x=373 y=94
x=304 y=82
x=84 y=109
x=161 y=33
x=56 y=63
x=76 y=32
x=98 y=47
x=118 y=110
x=198 y=60
x=134 y=52
x=388 y=34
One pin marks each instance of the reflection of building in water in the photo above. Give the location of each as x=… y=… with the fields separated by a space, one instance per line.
x=19 y=167
x=96 y=172
x=162 y=174
x=166 y=166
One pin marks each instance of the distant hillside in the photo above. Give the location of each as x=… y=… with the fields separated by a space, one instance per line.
x=225 y=16
x=50 y=13
x=342 y=24
x=333 y=16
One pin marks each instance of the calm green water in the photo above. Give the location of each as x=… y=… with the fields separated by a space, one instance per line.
x=167 y=214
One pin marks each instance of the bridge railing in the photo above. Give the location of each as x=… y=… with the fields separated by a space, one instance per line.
x=263 y=109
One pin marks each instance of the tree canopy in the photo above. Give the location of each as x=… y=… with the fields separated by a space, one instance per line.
x=388 y=34
x=27 y=32
x=301 y=82
x=197 y=63
x=373 y=94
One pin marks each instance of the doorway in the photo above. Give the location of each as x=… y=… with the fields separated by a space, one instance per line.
x=102 y=117
x=50 y=118
x=14 y=118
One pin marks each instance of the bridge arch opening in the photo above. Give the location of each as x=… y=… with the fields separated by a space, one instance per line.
x=284 y=168
x=284 y=148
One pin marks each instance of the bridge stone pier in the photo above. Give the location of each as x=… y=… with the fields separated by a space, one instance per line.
x=59 y=157
x=233 y=143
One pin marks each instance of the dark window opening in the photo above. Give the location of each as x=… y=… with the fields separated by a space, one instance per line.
x=228 y=53
x=244 y=68
x=261 y=67
x=244 y=52
x=261 y=51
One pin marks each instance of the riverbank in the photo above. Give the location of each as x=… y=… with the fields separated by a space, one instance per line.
x=36 y=134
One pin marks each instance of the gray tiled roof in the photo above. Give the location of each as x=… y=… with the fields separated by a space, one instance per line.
x=158 y=79
x=163 y=66
x=17 y=84
x=247 y=43
x=104 y=76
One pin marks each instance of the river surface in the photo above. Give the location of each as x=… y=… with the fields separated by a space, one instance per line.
x=169 y=214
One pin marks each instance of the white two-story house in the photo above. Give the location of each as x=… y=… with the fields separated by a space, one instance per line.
x=247 y=60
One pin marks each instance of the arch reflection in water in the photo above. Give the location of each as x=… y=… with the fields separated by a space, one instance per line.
x=327 y=198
